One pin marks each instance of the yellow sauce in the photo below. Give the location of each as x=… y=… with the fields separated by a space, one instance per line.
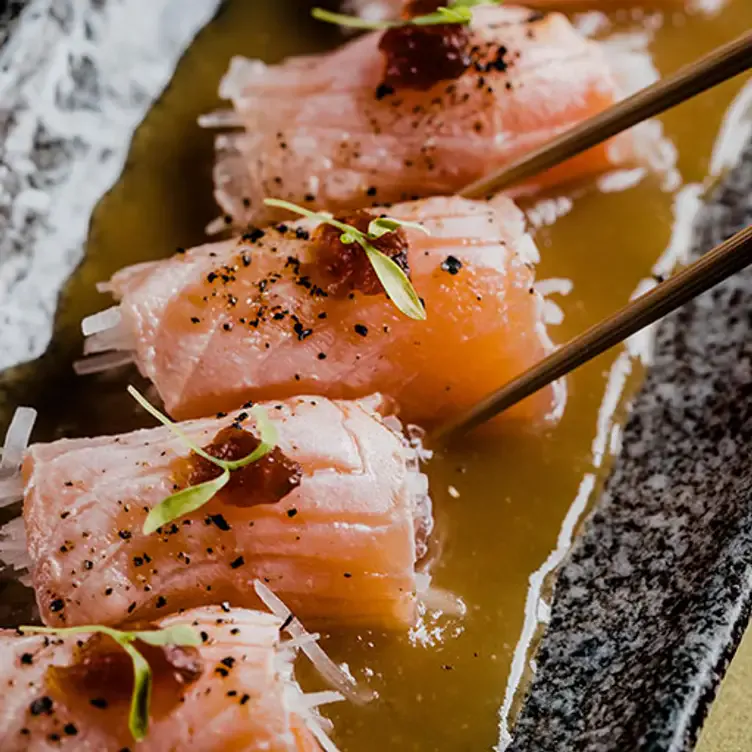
x=499 y=506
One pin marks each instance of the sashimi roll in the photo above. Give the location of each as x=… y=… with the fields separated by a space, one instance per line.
x=333 y=520
x=408 y=112
x=292 y=310
x=234 y=690
x=387 y=10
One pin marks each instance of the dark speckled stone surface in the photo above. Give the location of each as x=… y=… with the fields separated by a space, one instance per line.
x=655 y=594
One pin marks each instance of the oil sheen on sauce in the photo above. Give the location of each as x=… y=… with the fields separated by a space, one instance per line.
x=506 y=510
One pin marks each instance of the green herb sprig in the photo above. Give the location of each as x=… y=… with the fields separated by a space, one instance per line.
x=396 y=283
x=457 y=12
x=192 y=498
x=180 y=634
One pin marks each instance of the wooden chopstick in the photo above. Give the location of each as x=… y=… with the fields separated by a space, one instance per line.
x=724 y=260
x=723 y=63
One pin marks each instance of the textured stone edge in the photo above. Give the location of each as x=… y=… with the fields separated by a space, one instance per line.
x=76 y=79
x=656 y=592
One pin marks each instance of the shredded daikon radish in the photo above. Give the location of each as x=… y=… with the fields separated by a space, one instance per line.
x=221 y=119
x=13 y=548
x=328 y=669
x=116 y=338
x=103 y=362
x=216 y=226
x=298 y=642
x=11 y=490
x=324 y=741
x=17 y=440
x=317 y=699
x=438 y=599
x=110 y=318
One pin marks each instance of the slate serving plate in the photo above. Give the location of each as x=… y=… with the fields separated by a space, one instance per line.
x=654 y=597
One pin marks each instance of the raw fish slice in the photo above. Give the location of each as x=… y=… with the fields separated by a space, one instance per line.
x=252 y=704
x=340 y=548
x=325 y=135
x=382 y=10
x=196 y=333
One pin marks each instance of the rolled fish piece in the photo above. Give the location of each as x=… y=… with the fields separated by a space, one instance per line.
x=410 y=112
x=235 y=690
x=291 y=310
x=333 y=520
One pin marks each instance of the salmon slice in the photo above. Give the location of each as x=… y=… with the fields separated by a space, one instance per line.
x=382 y=10
x=250 y=704
x=340 y=548
x=237 y=320
x=324 y=132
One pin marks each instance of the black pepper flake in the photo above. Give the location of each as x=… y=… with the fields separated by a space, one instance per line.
x=237 y=562
x=108 y=591
x=222 y=671
x=138 y=561
x=244 y=699
x=161 y=602
x=41 y=706
x=211 y=276
x=54 y=737
x=204 y=636
x=302 y=234
x=371 y=191
x=219 y=521
x=292 y=512
x=70 y=729
x=124 y=534
x=361 y=329
x=195 y=320
x=321 y=356
x=27 y=659
x=69 y=483
x=229 y=661
x=348 y=575
x=225 y=606
x=227 y=326
x=254 y=235
x=99 y=702
x=57 y=605
x=384 y=90
x=451 y=264
x=234 y=631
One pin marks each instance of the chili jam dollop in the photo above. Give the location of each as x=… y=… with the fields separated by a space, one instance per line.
x=345 y=266
x=265 y=481
x=418 y=57
x=101 y=673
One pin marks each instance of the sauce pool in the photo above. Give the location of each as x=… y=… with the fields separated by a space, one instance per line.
x=507 y=509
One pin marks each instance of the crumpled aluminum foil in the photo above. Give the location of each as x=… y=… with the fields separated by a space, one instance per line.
x=76 y=79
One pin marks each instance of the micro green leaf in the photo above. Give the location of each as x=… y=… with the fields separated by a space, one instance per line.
x=165 y=421
x=194 y=497
x=396 y=283
x=179 y=634
x=384 y=225
x=184 y=502
x=138 y=717
x=457 y=12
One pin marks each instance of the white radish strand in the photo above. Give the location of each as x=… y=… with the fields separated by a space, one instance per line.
x=328 y=669
x=110 y=318
x=103 y=362
x=13 y=548
x=221 y=119
x=17 y=440
x=13 y=451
